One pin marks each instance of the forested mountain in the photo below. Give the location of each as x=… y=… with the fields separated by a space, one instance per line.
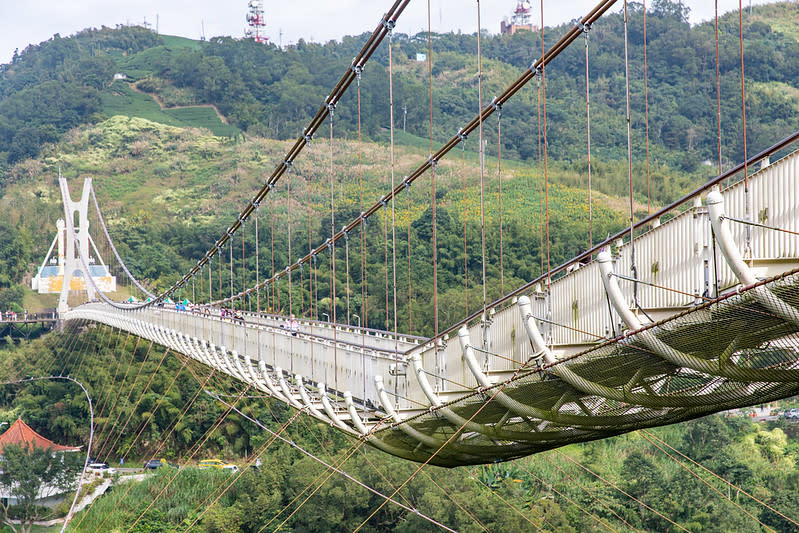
x=265 y=91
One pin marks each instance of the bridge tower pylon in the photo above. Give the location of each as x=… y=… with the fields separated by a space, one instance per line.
x=72 y=261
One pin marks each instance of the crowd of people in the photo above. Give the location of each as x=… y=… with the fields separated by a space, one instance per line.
x=292 y=324
x=13 y=316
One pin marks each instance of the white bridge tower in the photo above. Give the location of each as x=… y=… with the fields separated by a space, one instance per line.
x=73 y=268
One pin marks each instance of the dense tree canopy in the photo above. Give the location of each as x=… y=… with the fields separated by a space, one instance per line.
x=54 y=86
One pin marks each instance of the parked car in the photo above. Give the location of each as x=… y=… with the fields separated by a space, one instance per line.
x=152 y=464
x=792 y=413
x=100 y=468
x=211 y=463
x=230 y=468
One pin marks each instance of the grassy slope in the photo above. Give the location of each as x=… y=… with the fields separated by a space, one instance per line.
x=782 y=17
x=120 y=99
x=177 y=173
x=148 y=174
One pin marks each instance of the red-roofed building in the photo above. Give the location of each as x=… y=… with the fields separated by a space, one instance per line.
x=21 y=433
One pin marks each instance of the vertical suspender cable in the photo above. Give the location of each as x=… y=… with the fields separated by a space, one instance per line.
x=385 y=266
x=629 y=151
x=311 y=264
x=257 y=286
x=230 y=247
x=363 y=310
x=301 y=311
x=646 y=117
x=748 y=214
x=275 y=301
x=347 y=269
x=243 y=269
x=499 y=179
x=364 y=277
x=540 y=180
x=544 y=127
x=219 y=256
x=482 y=155
x=333 y=254
x=718 y=123
x=718 y=86
x=393 y=196
x=586 y=29
x=257 y=269
x=288 y=234
x=432 y=175
x=546 y=167
x=463 y=215
x=410 y=292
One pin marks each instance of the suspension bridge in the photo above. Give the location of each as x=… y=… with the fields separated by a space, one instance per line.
x=689 y=311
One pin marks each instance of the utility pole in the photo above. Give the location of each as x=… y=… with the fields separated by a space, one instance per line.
x=404 y=116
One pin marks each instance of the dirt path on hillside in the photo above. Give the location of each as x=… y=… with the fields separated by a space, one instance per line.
x=163 y=107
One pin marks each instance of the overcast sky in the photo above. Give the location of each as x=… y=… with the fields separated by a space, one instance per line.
x=32 y=21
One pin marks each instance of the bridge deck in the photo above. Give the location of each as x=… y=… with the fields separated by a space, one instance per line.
x=590 y=376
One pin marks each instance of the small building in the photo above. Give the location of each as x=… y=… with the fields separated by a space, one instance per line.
x=49 y=277
x=120 y=76
x=22 y=434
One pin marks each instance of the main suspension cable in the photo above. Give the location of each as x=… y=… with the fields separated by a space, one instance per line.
x=529 y=74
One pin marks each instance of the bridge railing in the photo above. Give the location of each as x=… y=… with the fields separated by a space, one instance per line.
x=343 y=358
x=676 y=262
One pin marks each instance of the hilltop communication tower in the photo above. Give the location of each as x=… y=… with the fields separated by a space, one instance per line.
x=256 y=21
x=520 y=20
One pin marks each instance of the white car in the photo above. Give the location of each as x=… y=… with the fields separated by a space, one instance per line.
x=230 y=468
x=100 y=468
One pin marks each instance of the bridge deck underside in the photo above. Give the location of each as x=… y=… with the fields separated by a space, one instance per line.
x=734 y=353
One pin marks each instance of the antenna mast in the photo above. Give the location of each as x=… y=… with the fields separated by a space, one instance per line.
x=256 y=21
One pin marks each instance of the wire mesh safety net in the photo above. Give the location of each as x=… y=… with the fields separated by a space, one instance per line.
x=739 y=350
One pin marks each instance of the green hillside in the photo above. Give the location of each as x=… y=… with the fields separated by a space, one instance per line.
x=167 y=192
x=121 y=100
x=268 y=92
